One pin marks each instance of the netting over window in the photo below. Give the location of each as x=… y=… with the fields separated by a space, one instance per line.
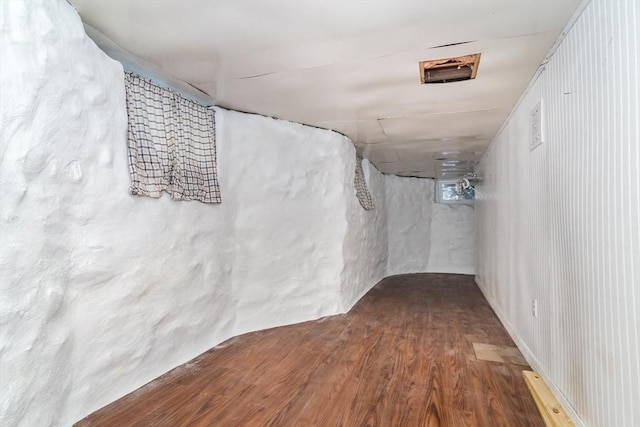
x=172 y=144
x=362 y=192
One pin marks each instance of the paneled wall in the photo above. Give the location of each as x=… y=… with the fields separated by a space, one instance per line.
x=560 y=224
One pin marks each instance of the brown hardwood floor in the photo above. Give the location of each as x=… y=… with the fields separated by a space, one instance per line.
x=403 y=356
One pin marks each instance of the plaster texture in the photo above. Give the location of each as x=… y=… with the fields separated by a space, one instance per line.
x=103 y=291
x=365 y=247
x=453 y=243
x=425 y=236
x=285 y=187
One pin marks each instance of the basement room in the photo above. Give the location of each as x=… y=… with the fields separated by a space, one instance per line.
x=393 y=213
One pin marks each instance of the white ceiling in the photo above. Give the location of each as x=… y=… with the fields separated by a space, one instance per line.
x=351 y=65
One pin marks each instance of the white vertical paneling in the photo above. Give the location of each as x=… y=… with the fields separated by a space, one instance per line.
x=560 y=224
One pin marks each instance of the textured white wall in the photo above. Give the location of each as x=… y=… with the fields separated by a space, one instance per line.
x=284 y=187
x=365 y=246
x=102 y=291
x=560 y=224
x=425 y=236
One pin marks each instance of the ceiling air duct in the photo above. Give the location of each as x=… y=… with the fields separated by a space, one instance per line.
x=449 y=70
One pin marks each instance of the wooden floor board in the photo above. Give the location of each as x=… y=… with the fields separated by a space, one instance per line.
x=403 y=356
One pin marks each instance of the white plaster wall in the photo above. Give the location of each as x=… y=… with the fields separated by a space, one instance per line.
x=365 y=245
x=286 y=190
x=102 y=291
x=453 y=243
x=560 y=224
x=410 y=209
x=425 y=236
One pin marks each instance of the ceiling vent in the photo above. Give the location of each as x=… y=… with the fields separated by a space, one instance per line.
x=449 y=70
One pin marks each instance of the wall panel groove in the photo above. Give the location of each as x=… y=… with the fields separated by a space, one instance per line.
x=560 y=223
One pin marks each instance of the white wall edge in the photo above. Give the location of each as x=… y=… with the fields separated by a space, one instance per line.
x=346 y=309
x=531 y=359
x=574 y=18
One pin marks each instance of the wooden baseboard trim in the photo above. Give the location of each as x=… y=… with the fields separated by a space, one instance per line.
x=550 y=409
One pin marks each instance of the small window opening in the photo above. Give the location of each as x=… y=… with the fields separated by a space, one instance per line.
x=449 y=70
x=449 y=191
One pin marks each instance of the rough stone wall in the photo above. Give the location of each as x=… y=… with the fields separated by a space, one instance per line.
x=103 y=291
x=285 y=188
x=453 y=242
x=59 y=166
x=425 y=236
x=365 y=247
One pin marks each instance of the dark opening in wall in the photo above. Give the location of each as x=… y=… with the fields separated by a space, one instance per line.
x=449 y=70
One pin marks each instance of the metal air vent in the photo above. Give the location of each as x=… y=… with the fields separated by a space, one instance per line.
x=449 y=70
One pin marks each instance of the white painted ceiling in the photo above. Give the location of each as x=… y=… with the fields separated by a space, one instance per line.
x=350 y=66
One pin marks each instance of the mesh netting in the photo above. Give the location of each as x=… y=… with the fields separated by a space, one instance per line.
x=362 y=192
x=172 y=144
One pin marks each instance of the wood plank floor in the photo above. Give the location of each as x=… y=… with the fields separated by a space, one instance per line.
x=403 y=356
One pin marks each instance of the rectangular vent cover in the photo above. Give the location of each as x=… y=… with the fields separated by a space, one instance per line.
x=449 y=70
